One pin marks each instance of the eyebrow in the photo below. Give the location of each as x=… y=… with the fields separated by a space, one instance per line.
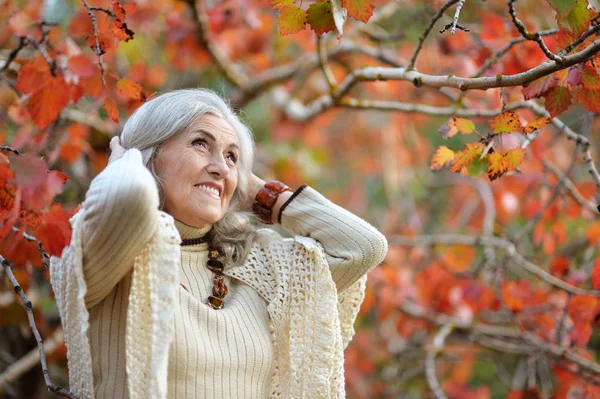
x=213 y=138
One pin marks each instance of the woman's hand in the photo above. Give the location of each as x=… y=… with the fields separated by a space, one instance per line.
x=116 y=149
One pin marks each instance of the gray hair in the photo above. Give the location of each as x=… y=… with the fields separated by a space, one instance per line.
x=167 y=115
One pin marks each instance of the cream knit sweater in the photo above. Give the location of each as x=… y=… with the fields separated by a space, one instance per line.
x=241 y=351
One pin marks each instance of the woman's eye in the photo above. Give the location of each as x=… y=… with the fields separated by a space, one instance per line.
x=199 y=141
x=232 y=156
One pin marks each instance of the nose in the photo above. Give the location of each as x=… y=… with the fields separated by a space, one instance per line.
x=218 y=166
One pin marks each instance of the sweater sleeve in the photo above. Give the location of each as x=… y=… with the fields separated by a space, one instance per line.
x=352 y=246
x=120 y=214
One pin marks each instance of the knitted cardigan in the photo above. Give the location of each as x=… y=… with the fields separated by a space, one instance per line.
x=311 y=322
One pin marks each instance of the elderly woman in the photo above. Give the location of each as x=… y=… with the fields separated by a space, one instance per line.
x=168 y=290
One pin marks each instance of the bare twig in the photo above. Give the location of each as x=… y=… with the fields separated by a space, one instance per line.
x=27 y=362
x=536 y=37
x=14 y=52
x=436 y=17
x=454 y=25
x=97 y=48
x=593 y=30
x=570 y=186
x=29 y=309
x=321 y=49
x=436 y=347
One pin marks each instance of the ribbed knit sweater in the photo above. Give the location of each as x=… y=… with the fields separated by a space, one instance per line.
x=224 y=353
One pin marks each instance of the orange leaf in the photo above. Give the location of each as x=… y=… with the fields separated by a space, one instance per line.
x=536 y=125
x=589 y=99
x=45 y=105
x=455 y=125
x=131 y=89
x=515 y=294
x=19 y=251
x=465 y=157
x=111 y=109
x=582 y=308
x=33 y=75
x=506 y=122
x=360 y=10
x=581 y=334
x=70 y=150
x=55 y=231
x=442 y=156
x=593 y=233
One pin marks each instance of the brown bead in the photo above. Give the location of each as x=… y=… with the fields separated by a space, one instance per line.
x=215 y=303
x=215 y=265
x=219 y=287
x=214 y=254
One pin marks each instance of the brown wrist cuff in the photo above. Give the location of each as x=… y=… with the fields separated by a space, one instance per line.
x=266 y=198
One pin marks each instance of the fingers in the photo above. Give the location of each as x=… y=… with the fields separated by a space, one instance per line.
x=115 y=141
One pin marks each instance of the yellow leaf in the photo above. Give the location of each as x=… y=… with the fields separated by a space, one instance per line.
x=455 y=125
x=443 y=155
x=514 y=158
x=506 y=122
x=497 y=165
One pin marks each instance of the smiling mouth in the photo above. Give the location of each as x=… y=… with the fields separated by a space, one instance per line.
x=209 y=191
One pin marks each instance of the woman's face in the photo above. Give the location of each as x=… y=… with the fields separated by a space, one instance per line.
x=199 y=171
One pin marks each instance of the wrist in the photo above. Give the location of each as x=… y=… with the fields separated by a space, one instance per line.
x=268 y=201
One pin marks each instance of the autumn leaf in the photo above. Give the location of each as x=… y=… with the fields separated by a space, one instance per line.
x=478 y=167
x=506 y=122
x=539 y=87
x=596 y=275
x=111 y=109
x=514 y=158
x=590 y=99
x=455 y=125
x=465 y=157
x=593 y=233
x=590 y=78
x=442 y=157
x=577 y=21
x=360 y=10
x=581 y=334
x=536 y=125
x=583 y=308
x=33 y=75
x=320 y=17
x=37 y=185
x=515 y=294
x=19 y=251
x=497 y=165
x=557 y=100
x=559 y=266
x=279 y=4
x=562 y=7
x=82 y=66
x=54 y=231
x=45 y=104
x=121 y=31
x=131 y=89
x=292 y=19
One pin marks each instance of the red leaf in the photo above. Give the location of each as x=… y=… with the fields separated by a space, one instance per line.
x=82 y=66
x=38 y=187
x=596 y=275
x=559 y=266
x=590 y=78
x=19 y=251
x=582 y=308
x=581 y=334
x=118 y=10
x=557 y=100
x=55 y=230
x=360 y=10
x=515 y=294
x=131 y=89
x=111 y=109
x=539 y=87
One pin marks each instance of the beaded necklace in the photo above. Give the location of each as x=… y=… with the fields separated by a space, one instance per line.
x=214 y=264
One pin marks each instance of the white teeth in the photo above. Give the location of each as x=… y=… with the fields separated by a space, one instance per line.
x=209 y=189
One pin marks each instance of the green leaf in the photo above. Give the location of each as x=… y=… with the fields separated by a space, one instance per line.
x=360 y=10
x=291 y=20
x=577 y=21
x=557 y=100
x=478 y=167
x=562 y=7
x=320 y=17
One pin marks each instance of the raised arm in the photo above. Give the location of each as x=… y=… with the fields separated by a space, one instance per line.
x=352 y=246
x=120 y=214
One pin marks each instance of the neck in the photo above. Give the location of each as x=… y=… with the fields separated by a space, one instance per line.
x=188 y=232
